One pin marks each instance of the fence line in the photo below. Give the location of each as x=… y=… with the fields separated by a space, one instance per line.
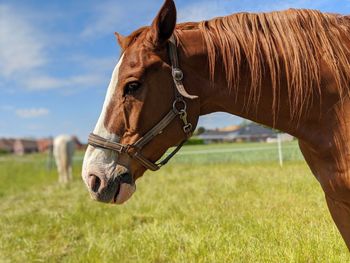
x=245 y=149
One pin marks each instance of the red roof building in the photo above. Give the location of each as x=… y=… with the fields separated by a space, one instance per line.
x=6 y=145
x=23 y=146
x=44 y=145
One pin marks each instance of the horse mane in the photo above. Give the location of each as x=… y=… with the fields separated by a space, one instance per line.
x=292 y=43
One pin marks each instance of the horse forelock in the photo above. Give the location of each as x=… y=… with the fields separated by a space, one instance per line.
x=129 y=40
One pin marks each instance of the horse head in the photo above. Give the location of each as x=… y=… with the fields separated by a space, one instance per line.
x=146 y=111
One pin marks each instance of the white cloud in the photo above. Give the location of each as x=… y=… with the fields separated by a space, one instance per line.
x=41 y=83
x=21 y=46
x=96 y=72
x=25 y=52
x=32 y=112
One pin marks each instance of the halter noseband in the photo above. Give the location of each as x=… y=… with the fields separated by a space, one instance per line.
x=179 y=108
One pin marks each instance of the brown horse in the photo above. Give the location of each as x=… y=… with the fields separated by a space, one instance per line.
x=289 y=70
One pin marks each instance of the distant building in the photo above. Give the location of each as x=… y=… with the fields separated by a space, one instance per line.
x=215 y=136
x=6 y=145
x=230 y=128
x=251 y=132
x=254 y=132
x=44 y=145
x=226 y=134
x=284 y=137
x=23 y=146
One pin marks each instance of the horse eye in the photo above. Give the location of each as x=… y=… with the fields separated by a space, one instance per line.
x=131 y=87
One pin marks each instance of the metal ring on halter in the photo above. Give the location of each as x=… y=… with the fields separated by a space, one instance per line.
x=179 y=101
x=177 y=73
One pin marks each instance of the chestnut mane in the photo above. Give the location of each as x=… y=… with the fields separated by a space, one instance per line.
x=293 y=43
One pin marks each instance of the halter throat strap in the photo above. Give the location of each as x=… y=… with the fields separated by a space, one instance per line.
x=179 y=108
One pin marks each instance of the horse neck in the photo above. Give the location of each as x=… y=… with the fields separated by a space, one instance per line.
x=217 y=96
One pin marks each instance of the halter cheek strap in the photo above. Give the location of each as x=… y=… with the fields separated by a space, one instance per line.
x=179 y=109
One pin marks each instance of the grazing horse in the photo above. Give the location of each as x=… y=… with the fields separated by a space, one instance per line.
x=63 y=150
x=289 y=70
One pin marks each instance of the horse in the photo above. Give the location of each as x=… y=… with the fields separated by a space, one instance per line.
x=63 y=151
x=289 y=70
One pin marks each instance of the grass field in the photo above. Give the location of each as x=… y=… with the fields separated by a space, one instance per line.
x=229 y=206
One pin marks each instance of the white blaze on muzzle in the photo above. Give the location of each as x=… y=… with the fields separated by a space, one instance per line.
x=102 y=158
x=100 y=128
x=100 y=161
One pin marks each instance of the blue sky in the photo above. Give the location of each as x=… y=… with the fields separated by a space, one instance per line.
x=56 y=57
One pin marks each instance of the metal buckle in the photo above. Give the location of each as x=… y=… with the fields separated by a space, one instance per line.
x=187 y=128
x=180 y=101
x=125 y=148
x=177 y=73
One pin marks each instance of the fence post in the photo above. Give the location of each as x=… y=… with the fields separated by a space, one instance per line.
x=279 y=146
x=49 y=163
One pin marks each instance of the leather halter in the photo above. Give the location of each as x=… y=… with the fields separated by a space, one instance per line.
x=179 y=109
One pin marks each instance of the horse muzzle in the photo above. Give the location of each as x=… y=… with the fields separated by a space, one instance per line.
x=117 y=190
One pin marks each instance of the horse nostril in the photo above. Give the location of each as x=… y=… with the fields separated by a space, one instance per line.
x=94 y=182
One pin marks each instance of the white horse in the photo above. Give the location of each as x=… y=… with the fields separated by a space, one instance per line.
x=63 y=150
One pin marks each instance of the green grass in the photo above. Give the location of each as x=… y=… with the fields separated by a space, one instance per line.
x=198 y=211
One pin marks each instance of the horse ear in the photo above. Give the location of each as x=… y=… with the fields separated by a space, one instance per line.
x=164 y=24
x=121 y=39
